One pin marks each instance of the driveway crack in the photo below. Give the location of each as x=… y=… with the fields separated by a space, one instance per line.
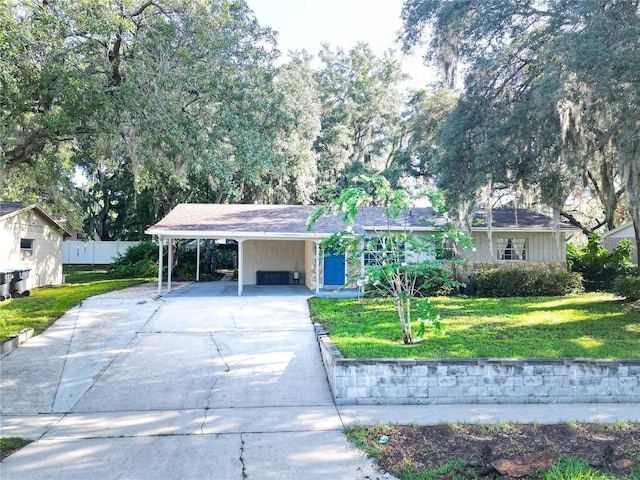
x=227 y=368
x=244 y=467
x=233 y=318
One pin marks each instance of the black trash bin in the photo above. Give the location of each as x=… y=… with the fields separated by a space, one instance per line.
x=5 y=281
x=18 y=286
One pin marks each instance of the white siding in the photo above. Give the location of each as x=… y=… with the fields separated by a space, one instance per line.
x=46 y=261
x=272 y=255
x=541 y=246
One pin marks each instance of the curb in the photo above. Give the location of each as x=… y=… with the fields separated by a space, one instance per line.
x=15 y=341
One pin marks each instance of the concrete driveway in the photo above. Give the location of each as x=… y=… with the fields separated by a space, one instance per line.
x=197 y=384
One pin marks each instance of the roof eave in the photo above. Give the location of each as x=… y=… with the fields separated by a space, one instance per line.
x=525 y=229
x=204 y=234
x=426 y=228
x=617 y=229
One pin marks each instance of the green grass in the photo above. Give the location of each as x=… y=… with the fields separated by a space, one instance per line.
x=582 y=326
x=8 y=445
x=574 y=469
x=47 y=304
x=358 y=435
x=85 y=273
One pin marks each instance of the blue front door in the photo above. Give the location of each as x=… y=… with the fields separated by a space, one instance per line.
x=334 y=270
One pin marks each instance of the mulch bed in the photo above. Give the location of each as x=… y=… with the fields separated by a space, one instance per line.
x=611 y=448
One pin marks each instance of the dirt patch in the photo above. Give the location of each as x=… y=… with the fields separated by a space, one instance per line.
x=611 y=448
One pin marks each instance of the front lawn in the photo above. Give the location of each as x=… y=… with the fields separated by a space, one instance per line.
x=47 y=304
x=584 y=326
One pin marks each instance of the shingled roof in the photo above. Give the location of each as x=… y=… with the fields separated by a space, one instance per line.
x=197 y=220
x=10 y=209
x=518 y=219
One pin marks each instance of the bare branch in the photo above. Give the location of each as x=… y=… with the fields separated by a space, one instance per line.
x=146 y=5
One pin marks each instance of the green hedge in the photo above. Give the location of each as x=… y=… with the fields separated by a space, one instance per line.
x=516 y=282
x=139 y=261
x=628 y=287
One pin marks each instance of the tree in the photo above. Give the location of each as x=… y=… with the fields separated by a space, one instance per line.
x=398 y=263
x=550 y=97
x=162 y=85
x=426 y=111
x=360 y=114
x=44 y=92
x=197 y=98
x=297 y=85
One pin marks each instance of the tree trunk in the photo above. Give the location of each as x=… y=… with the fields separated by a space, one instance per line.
x=405 y=322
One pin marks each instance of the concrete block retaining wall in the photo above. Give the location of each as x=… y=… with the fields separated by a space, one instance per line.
x=477 y=380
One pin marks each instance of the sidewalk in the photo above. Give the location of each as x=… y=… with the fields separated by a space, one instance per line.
x=202 y=383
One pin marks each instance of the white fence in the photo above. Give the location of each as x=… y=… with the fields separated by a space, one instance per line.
x=80 y=252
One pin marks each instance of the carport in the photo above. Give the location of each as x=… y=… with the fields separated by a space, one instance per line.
x=273 y=241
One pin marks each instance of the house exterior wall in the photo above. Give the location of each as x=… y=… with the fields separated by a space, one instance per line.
x=541 y=246
x=272 y=255
x=46 y=260
x=544 y=252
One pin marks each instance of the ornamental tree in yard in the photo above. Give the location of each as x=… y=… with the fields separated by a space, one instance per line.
x=394 y=261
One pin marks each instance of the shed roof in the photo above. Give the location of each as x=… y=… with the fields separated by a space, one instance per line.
x=10 y=209
x=622 y=231
x=197 y=220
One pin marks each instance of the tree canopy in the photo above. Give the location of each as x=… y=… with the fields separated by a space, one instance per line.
x=112 y=112
x=155 y=103
x=550 y=102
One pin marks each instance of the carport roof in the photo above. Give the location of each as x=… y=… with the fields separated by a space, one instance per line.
x=193 y=220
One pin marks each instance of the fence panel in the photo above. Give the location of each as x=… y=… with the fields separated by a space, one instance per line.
x=79 y=252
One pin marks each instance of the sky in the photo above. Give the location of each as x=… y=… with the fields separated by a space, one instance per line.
x=307 y=24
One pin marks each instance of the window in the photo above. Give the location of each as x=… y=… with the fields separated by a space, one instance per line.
x=26 y=247
x=384 y=252
x=512 y=249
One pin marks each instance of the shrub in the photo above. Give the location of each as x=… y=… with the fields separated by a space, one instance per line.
x=186 y=272
x=598 y=266
x=139 y=261
x=628 y=287
x=516 y=282
x=436 y=280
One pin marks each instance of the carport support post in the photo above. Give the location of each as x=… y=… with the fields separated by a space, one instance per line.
x=169 y=263
x=317 y=268
x=198 y=261
x=160 y=242
x=362 y=276
x=240 y=267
